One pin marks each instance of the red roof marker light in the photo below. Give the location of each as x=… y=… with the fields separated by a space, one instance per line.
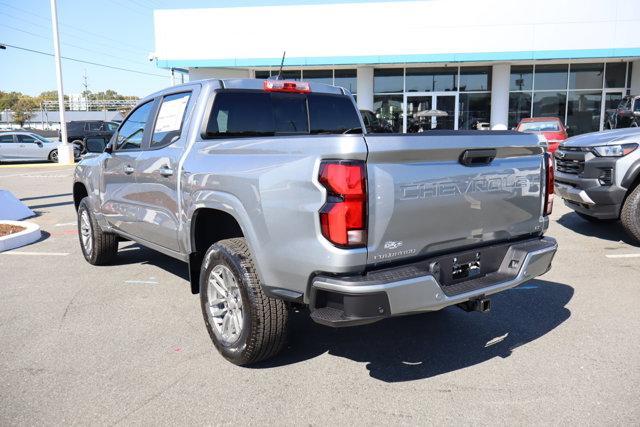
x=286 y=86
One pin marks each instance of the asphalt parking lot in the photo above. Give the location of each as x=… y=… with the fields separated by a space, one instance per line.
x=126 y=344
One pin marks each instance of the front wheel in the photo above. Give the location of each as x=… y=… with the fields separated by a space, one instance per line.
x=98 y=247
x=80 y=144
x=245 y=325
x=630 y=214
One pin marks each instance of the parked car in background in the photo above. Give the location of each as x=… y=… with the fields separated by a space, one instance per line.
x=276 y=196
x=627 y=114
x=598 y=176
x=550 y=127
x=372 y=124
x=27 y=146
x=78 y=131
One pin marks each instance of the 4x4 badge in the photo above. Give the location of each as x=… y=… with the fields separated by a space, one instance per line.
x=392 y=245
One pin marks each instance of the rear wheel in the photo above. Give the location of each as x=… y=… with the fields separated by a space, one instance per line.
x=245 y=325
x=98 y=247
x=53 y=156
x=80 y=144
x=594 y=219
x=630 y=215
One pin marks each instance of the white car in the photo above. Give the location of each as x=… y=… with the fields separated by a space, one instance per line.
x=22 y=146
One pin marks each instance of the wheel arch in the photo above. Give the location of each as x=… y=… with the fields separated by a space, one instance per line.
x=226 y=212
x=79 y=193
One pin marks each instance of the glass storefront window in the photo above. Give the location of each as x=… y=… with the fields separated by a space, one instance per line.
x=289 y=74
x=387 y=80
x=583 y=112
x=615 y=74
x=549 y=77
x=431 y=79
x=388 y=109
x=521 y=77
x=318 y=76
x=474 y=108
x=475 y=78
x=586 y=76
x=519 y=107
x=346 y=79
x=549 y=104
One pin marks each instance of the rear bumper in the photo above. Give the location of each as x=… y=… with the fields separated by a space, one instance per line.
x=349 y=300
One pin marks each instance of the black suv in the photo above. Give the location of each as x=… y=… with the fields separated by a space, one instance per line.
x=78 y=131
x=626 y=115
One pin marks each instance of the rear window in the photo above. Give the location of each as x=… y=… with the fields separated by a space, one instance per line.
x=551 y=126
x=253 y=113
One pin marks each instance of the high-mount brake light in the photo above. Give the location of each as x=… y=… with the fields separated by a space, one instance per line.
x=550 y=178
x=286 y=86
x=343 y=216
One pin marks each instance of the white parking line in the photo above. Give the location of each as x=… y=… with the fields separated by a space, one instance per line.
x=35 y=253
x=623 y=256
x=65 y=224
x=140 y=282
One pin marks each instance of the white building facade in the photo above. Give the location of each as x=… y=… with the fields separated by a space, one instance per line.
x=484 y=63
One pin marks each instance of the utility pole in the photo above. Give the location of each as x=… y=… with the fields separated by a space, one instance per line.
x=65 y=150
x=86 y=90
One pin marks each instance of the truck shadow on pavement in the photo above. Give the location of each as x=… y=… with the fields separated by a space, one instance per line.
x=612 y=231
x=426 y=345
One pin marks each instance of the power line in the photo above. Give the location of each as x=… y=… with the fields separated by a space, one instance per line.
x=48 y=21
x=75 y=46
x=83 y=61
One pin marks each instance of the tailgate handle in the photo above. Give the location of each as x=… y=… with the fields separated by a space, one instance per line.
x=478 y=157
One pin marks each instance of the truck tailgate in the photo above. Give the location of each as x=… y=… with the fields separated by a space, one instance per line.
x=424 y=200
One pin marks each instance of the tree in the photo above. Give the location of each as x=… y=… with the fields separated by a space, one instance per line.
x=50 y=95
x=22 y=110
x=9 y=99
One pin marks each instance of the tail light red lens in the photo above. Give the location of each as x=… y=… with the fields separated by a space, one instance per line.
x=343 y=216
x=548 y=196
x=285 y=86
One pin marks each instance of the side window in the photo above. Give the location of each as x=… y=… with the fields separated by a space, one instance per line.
x=636 y=104
x=131 y=132
x=95 y=126
x=6 y=139
x=170 y=118
x=111 y=127
x=26 y=139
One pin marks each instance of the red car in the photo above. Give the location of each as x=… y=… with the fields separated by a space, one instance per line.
x=551 y=127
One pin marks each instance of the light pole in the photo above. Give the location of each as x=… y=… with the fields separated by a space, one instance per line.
x=65 y=150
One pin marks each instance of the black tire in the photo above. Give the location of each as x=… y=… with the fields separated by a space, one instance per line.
x=630 y=215
x=607 y=125
x=264 y=320
x=594 y=219
x=103 y=246
x=53 y=156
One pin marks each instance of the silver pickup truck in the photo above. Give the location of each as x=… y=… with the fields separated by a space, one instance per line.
x=276 y=197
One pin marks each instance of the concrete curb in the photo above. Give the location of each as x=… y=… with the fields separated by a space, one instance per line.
x=30 y=234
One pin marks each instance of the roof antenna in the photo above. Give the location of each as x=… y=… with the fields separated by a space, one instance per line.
x=281 y=64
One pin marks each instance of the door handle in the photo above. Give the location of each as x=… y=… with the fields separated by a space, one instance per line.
x=129 y=169
x=166 y=171
x=478 y=157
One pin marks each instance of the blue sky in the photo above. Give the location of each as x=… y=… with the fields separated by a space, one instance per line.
x=113 y=32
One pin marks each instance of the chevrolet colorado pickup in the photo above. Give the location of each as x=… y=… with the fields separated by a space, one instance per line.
x=276 y=197
x=598 y=176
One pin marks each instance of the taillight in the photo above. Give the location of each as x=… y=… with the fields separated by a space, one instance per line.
x=548 y=195
x=285 y=86
x=343 y=216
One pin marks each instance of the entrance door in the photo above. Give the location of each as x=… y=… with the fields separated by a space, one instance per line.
x=611 y=100
x=430 y=110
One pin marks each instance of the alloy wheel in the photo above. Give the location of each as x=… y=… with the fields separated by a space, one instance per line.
x=86 y=233
x=225 y=304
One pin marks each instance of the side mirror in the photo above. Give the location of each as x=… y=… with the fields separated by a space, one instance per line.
x=96 y=145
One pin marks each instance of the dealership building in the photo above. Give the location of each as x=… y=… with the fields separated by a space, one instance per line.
x=483 y=63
